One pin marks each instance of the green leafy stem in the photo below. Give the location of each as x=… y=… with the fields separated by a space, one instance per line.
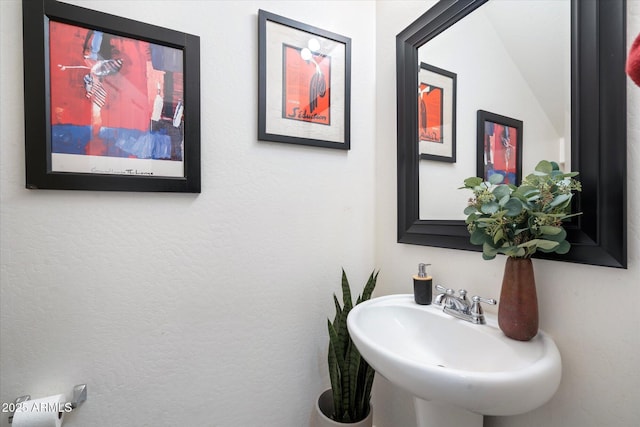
x=518 y=221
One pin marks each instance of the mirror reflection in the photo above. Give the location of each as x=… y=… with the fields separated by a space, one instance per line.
x=511 y=59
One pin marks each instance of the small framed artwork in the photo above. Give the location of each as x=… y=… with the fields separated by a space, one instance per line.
x=304 y=83
x=499 y=147
x=436 y=114
x=110 y=103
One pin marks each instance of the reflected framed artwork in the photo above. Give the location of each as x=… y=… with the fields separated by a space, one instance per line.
x=304 y=83
x=110 y=103
x=436 y=114
x=499 y=147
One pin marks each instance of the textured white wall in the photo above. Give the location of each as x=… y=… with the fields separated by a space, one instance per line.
x=190 y=310
x=591 y=312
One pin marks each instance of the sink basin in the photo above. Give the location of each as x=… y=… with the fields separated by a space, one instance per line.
x=439 y=358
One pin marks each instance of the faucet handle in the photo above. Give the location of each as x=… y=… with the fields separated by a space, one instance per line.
x=478 y=299
x=447 y=291
x=444 y=295
x=476 y=309
x=463 y=294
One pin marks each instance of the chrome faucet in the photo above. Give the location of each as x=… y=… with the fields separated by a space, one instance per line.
x=459 y=306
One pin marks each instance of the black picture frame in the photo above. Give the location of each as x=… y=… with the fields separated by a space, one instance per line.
x=598 y=133
x=437 y=144
x=318 y=114
x=42 y=165
x=498 y=149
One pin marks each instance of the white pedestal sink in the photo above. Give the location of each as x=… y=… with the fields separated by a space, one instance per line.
x=457 y=371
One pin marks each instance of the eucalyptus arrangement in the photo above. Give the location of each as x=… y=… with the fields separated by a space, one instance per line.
x=518 y=221
x=351 y=376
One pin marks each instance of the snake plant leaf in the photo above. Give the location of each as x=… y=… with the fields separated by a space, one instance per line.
x=336 y=346
x=345 y=376
x=334 y=372
x=360 y=387
x=337 y=325
x=365 y=401
x=338 y=308
x=343 y=334
x=354 y=371
x=370 y=286
x=346 y=292
x=357 y=392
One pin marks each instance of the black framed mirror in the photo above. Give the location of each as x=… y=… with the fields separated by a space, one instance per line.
x=598 y=132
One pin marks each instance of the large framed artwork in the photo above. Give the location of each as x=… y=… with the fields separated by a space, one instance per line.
x=499 y=147
x=110 y=103
x=304 y=83
x=436 y=114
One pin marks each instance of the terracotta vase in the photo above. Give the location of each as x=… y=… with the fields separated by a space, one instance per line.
x=518 y=305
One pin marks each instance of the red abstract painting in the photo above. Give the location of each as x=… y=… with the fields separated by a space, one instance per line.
x=501 y=151
x=114 y=96
x=307 y=91
x=430 y=113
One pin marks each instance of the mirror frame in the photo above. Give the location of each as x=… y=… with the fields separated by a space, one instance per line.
x=598 y=132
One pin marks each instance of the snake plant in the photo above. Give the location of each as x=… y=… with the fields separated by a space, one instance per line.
x=351 y=376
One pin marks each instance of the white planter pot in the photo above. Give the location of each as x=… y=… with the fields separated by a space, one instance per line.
x=324 y=405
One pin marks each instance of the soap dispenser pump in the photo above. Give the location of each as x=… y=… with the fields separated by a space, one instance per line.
x=422 y=285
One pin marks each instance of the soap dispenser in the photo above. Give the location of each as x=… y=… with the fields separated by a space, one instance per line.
x=422 y=289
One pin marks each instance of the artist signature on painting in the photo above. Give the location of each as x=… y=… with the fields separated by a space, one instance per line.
x=122 y=171
x=306 y=116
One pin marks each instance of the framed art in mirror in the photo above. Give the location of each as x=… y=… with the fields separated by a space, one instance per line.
x=598 y=132
x=436 y=113
x=499 y=147
x=110 y=103
x=304 y=84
